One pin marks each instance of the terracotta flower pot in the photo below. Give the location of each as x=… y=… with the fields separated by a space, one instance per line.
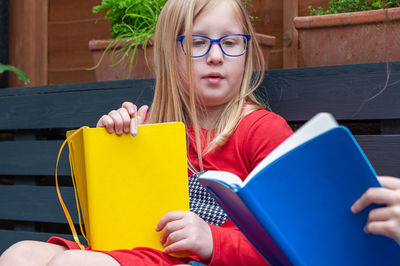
x=140 y=68
x=350 y=38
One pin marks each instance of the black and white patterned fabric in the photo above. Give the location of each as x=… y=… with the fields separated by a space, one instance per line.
x=203 y=204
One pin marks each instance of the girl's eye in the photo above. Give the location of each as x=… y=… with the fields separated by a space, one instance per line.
x=229 y=42
x=198 y=42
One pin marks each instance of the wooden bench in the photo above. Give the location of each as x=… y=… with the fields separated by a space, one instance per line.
x=33 y=122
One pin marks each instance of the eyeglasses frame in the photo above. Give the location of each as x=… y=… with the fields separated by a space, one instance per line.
x=217 y=41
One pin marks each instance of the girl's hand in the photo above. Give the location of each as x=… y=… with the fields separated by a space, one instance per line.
x=385 y=220
x=186 y=232
x=124 y=120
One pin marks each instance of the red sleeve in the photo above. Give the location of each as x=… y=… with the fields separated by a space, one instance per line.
x=231 y=247
x=265 y=133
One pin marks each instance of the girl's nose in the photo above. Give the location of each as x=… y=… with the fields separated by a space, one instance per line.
x=215 y=55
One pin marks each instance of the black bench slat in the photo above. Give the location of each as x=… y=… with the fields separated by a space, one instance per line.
x=345 y=91
x=9 y=237
x=36 y=204
x=39 y=157
x=67 y=107
x=32 y=158
x=383 y=152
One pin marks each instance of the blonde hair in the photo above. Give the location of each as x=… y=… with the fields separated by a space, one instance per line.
x=172 y=102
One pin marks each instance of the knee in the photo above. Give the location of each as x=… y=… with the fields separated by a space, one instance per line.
x=17 y=254
x=68 y=257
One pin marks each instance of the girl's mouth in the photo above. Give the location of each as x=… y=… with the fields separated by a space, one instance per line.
x=213 y=78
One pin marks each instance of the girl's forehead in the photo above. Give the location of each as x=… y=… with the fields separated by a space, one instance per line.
x=219 y=17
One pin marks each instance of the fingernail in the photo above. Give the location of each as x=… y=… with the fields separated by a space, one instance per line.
x=126 y=129
x=133 y=127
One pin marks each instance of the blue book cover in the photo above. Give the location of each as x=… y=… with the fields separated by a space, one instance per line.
x=296 y=209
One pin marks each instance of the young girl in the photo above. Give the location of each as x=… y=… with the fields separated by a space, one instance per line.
x=205 y=57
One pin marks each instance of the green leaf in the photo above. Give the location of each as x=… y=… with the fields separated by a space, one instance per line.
x=20 y=74
x=342 y=6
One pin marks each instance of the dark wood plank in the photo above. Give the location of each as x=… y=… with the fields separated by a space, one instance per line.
x=346 y=91
x=32 y=158
x=350 y=92
x=9 y=237
x=36 y=204
x=64 y=88
x=21 y=157
x=383 y=152
x=68 y=106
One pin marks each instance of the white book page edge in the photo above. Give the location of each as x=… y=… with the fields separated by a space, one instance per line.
x=320 y=123
x=225 y=177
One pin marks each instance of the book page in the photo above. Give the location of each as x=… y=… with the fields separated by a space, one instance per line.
x=317 y=125
x=225 y=177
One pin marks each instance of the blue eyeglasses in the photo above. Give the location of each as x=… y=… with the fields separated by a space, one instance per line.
x=233 y=45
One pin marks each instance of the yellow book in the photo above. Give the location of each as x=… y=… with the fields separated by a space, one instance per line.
x=126 y=184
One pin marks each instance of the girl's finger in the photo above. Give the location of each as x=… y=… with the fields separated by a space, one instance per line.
x=171 y=228
x=107 y=122
x=126 y=119
x=387 y=228
x=133 y=121
x=130 y=107
x=118 y=122
x=390 y=182
x=182 y=245
x=174 y=237
x=169 y=217
x=383 y=214
x=142 y=114
x=374 y=195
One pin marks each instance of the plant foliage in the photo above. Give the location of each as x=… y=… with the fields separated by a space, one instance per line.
x=20 y=74
x=247 y=5
x=133 y=23
x=343 y=6
x=134 y=19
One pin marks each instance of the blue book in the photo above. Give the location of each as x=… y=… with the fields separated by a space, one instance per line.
x=294 y=207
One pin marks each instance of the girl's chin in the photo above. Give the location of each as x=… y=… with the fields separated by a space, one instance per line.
x=212 y=102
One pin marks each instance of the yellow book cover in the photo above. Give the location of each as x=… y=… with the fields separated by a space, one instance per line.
x=126 y=184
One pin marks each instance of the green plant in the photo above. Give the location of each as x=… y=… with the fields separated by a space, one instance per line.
x=20 y=74
x=133 y=23
x=247 y=4
x=343 y=6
